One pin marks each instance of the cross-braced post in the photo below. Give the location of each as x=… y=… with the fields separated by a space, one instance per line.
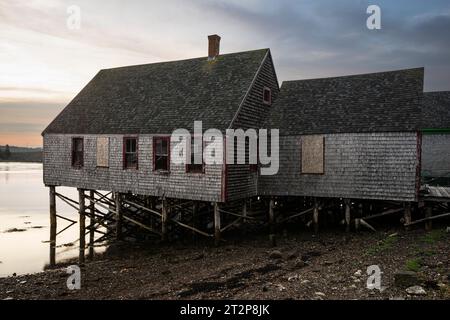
x=407 y=215
x=82 y=214
x=119 y=216
x=347 y=215
x=216 y=223
x=91 y=224
x=164 y=219
x=272 y=222
x=52 y=226
x=316 y=216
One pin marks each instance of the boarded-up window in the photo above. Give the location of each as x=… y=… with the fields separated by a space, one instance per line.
x=313 y=148
x=102 y=152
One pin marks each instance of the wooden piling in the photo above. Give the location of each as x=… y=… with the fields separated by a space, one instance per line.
x=82 y=220
x=244 y=214
x=316 y=216
x=347 y=215
x=359 y=217
x=91 y=224
x=407 y=215
x=164 y=220
x=428 y=214
x=52 y=226
x=119 y=216
x=194 y=217
x=272 y=238
x=216 y=223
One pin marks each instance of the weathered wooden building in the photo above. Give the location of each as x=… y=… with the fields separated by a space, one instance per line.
x=352 y=137
x=436 y=138
x=115 y=134
x=345 y=139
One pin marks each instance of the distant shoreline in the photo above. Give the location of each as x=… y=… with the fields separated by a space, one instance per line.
x=21 y=161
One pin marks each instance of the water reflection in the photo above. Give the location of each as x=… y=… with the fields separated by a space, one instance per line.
x=24 y=206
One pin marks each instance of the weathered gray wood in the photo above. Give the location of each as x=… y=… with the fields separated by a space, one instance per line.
x=298 y=214
x=119 y=216
x=142 y=207
x=429 y=218
x=316 y=216
x=68 y=201
x=164 y=220
x=365 y=224
x=141 y=225
x=407 y=215
x=384 y=213
x=347 y=215
x=53 y=223
x=272 y=237
x=191 y=228
x=91 y=224
x=233 y=223
x=82 y=214
x=216 y=223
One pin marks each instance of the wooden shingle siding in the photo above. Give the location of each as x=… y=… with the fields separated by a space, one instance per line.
x=241 y=181
x=436 y=155
x=357 y=165
x=176 y=184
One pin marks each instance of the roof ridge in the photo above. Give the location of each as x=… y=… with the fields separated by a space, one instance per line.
x=355 y=75
x=181 y=60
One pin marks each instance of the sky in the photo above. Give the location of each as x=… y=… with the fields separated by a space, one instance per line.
x=45 y=59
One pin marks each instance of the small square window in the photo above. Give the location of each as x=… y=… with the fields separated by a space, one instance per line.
x=267 y=96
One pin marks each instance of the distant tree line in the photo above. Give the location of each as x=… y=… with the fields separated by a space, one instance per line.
x=5 y=153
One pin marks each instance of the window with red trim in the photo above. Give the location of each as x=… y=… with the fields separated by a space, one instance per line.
x=130 y=153
x=161 y=153
x=77 y=152
x=195 y=149
x=267 y=95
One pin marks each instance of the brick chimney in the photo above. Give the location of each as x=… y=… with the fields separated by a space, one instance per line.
x=213 y=46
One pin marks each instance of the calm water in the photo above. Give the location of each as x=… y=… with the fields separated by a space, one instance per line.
x=24 y=205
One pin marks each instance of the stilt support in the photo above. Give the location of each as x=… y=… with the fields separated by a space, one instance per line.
x=91 y=224
x=347 y=215
x=407 y=215
x=82 y=225
x=52 y=226
x=316 y=216
x=119 y=216
x=164 y=220
x=272 y=238
x=216 y=223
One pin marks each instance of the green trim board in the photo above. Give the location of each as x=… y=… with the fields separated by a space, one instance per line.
x=435 y=131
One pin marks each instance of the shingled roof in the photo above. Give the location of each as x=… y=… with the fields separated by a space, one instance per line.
x=436 y=110
x=376 y=102
x=161 y=97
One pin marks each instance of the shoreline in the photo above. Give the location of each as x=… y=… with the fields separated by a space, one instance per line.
x=331 y=265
